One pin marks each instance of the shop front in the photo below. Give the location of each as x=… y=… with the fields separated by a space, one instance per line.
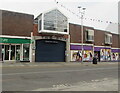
x=103 y=53
x=115 y=54
x=15 y=49
x=76 y=53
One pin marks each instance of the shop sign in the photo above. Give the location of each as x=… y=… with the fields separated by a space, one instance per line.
x=14 y=40
x=53 y=37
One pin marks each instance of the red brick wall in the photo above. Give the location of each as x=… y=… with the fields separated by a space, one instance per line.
x=99 y=38
x=75 y=33
x=115 y=40
x=35 y=30
x=17 y=24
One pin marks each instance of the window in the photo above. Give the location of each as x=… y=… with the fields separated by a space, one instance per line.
x=26 y=52
x=108 y=39
x=55 y=21
x=40 y=24
x=89 y=35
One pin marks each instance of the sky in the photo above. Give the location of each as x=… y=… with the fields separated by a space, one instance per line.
x=103 y=10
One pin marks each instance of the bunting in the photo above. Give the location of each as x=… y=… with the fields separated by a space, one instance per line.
x=101 y=21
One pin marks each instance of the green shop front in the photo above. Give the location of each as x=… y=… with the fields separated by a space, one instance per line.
x=15 y=49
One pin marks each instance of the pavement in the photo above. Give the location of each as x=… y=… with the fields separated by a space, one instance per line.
x=51 y=64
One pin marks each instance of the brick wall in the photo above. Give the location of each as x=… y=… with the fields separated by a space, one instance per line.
x=17 y=24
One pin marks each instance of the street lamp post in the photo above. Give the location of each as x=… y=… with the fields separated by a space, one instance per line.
x=82 y=12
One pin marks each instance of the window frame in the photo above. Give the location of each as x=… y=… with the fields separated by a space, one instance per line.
x=108 y=38
x=63 y=31
x=87 y=35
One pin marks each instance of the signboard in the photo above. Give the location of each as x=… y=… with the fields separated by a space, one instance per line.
x=14 y=40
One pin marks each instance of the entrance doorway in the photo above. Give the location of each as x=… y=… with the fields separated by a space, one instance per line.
x=11 y=52
x=49 y=50
x=98 y=55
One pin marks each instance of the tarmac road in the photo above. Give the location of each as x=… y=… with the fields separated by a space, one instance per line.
x=75 y=77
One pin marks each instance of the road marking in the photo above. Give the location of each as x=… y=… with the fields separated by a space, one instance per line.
x=7 y=79
x=59 y=71
x=35 y=65
x=21 y=65
x=11 y=65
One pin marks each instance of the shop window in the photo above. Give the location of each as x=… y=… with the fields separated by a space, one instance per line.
x=108 y=38
x=89 y=35
x=26 y=52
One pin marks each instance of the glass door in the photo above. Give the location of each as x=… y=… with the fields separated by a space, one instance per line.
x=17 y=52
x=12 y=54
x=26 y=52
x=3 y=52
x=7 y=52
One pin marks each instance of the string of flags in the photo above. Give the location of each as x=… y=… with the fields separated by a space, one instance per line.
x=63 y=6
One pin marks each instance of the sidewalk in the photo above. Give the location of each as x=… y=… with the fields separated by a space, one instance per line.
x=50 y=64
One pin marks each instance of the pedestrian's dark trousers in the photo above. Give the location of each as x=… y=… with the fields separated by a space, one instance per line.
x=94 y=60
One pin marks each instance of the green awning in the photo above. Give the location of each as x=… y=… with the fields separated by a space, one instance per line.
x=15 y=40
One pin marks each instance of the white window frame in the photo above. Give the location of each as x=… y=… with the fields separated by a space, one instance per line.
x=109 y=39
x=41 y=17
x=88 y=30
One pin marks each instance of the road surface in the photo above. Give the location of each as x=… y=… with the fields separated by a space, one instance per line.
x=63 y=78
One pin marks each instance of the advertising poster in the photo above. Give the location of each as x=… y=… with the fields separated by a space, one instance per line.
x=77 y=55
x=114 y=56
x=105 y=55
x=88 y=55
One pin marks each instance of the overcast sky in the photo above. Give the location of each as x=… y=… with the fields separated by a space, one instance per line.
x=103 y=10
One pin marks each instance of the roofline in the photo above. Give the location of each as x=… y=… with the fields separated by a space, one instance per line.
x=95 y=29
x=51 y=10
x=17 y=12
x=80 y=25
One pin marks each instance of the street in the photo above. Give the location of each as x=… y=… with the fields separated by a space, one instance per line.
x=61 y=78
